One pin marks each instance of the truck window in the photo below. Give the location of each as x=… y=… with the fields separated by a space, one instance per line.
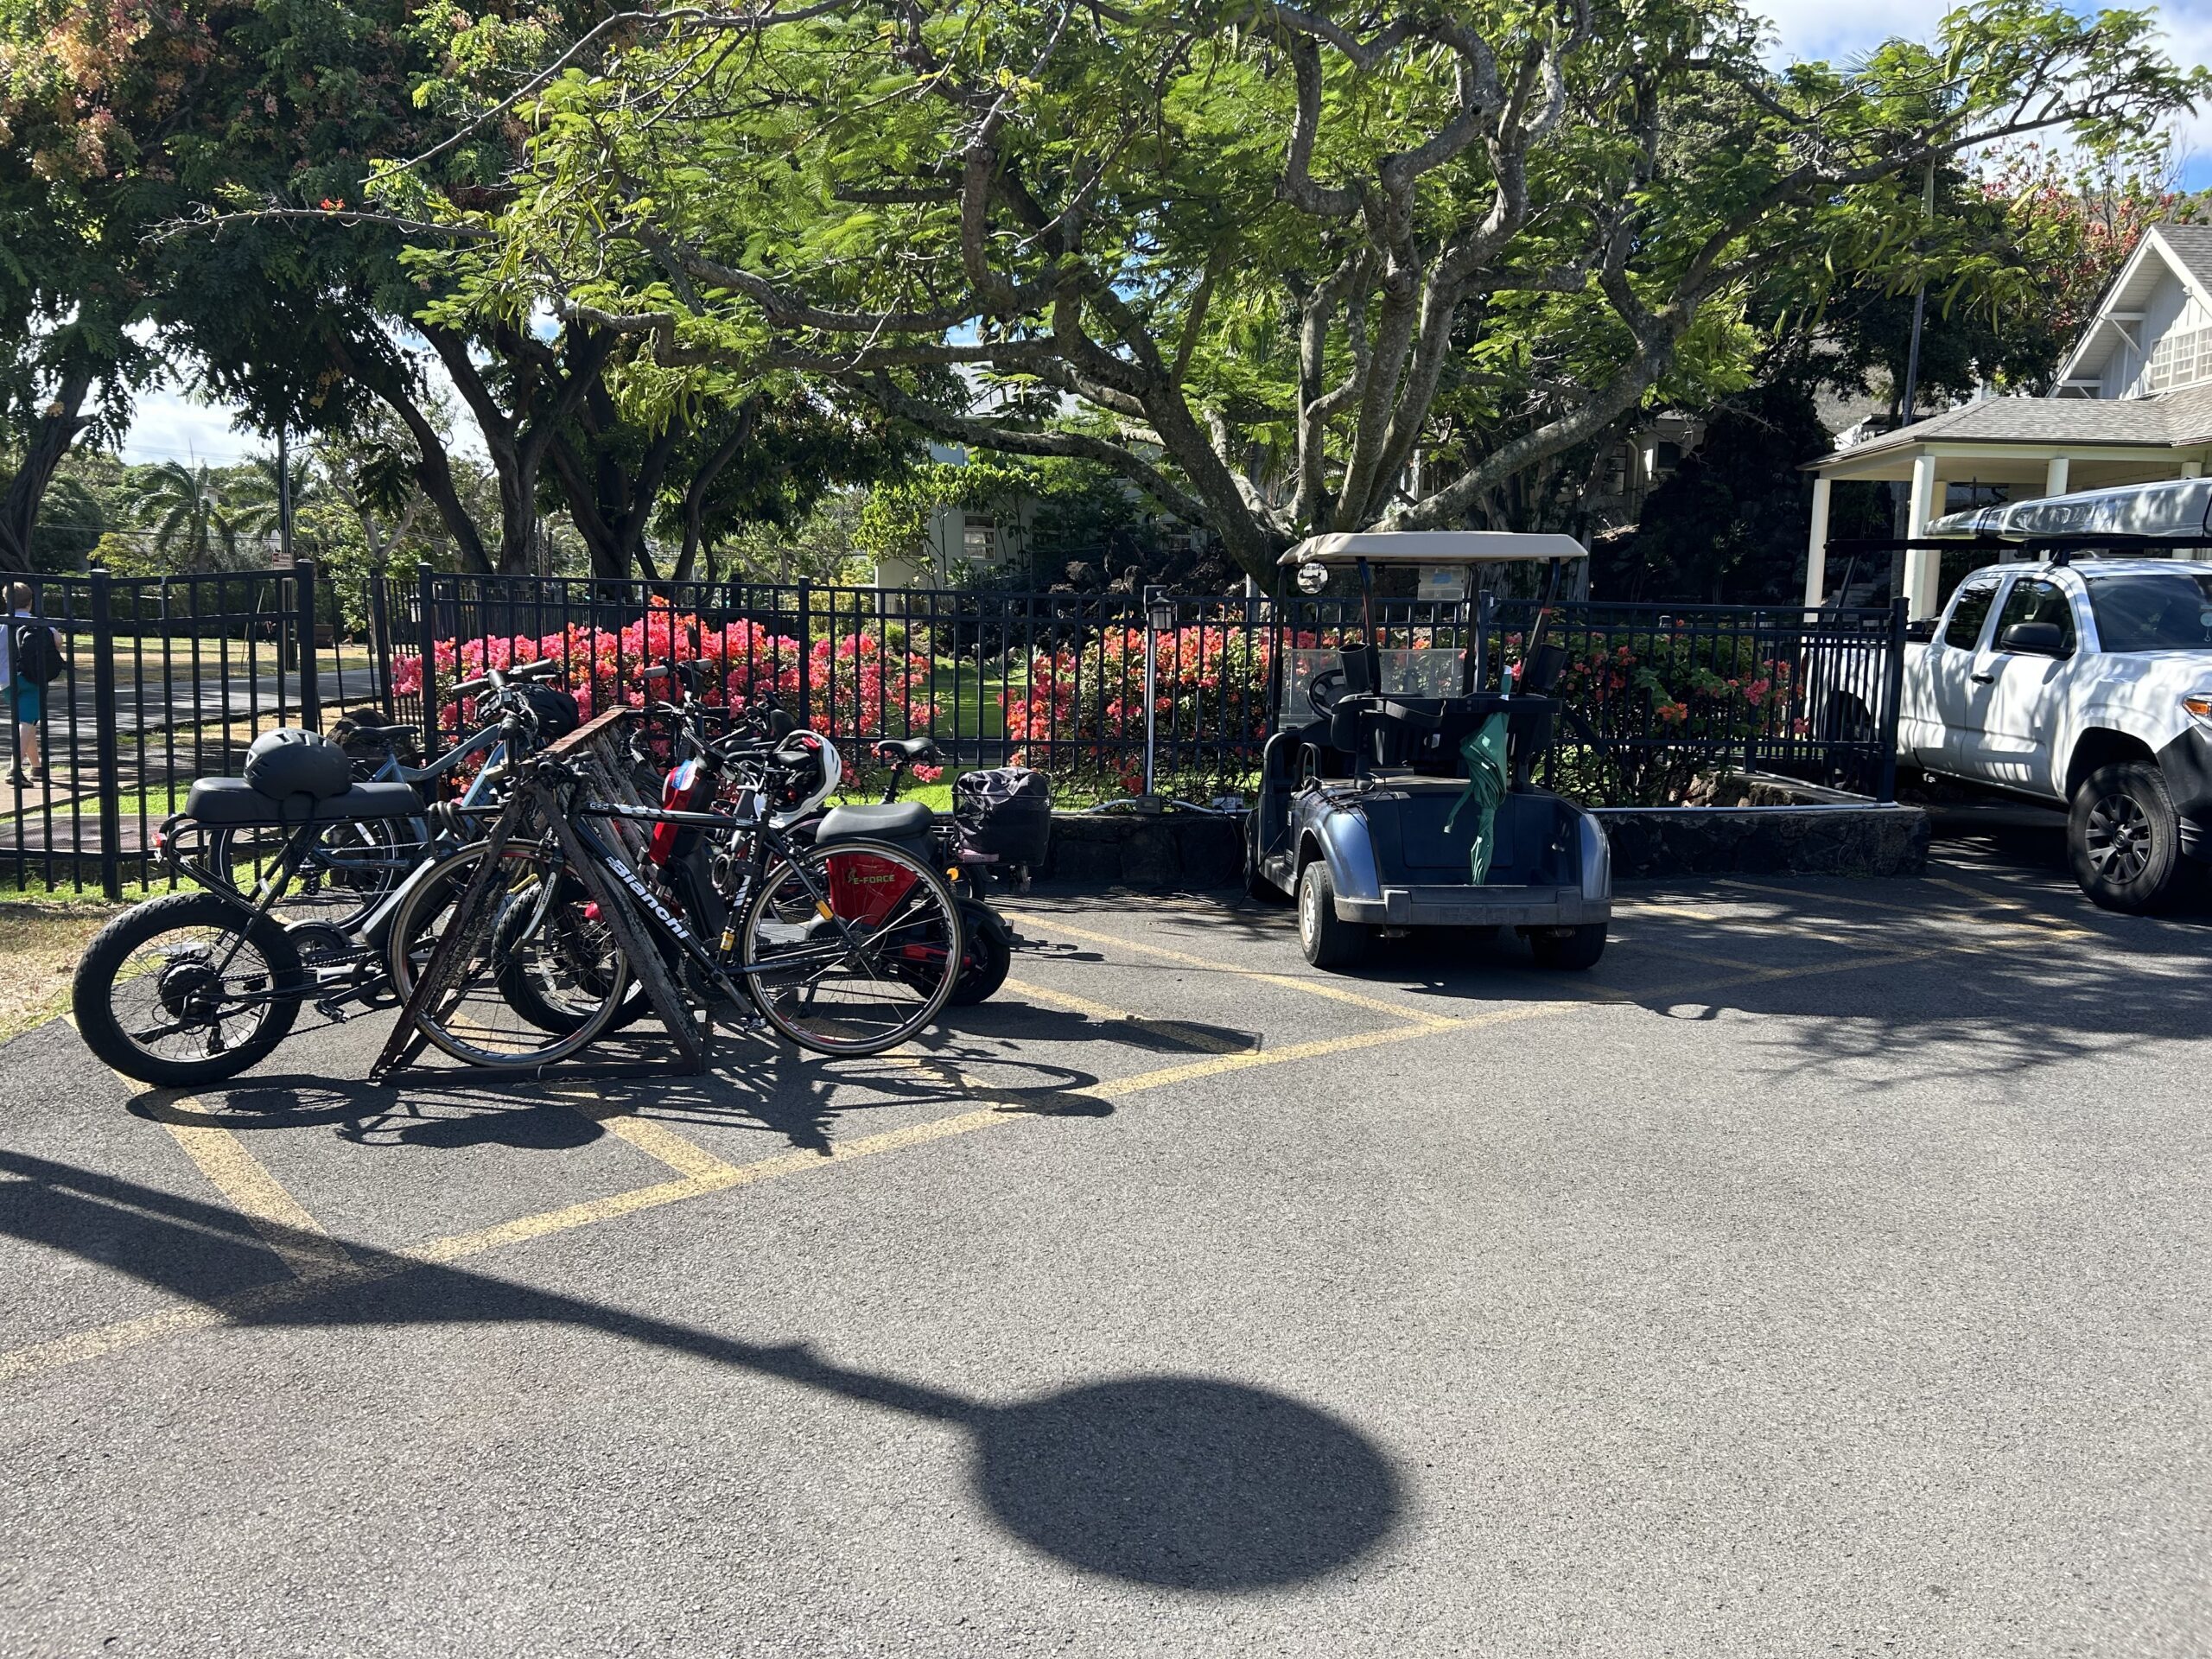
x=1969 y=612
x=2152 y=610
x=2033 y=600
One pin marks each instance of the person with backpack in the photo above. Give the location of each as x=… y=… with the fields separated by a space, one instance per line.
x=31 y=660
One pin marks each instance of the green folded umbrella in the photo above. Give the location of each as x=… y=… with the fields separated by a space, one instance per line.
x=1484 y=753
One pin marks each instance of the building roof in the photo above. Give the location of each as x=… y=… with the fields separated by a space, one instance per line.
x=2192 y=245
x=1433 y=547
x=2176 y=418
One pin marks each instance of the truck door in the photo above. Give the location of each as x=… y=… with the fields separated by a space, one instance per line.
x=2019 y=694
x=1950 y=669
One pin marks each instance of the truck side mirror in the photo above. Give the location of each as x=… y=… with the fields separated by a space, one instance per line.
x=1922 y=632
x=2035 y=638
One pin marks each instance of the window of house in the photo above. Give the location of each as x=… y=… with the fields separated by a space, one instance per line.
x=2180 y=357
x=979 y=541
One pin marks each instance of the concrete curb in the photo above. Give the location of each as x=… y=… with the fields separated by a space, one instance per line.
x=1171 y=852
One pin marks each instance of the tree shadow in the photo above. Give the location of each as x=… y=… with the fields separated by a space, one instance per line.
x=1187 y=1483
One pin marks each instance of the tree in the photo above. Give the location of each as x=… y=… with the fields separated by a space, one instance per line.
x=1257 y=258
x=193 y=528
x=256 y=502
x=71 y=257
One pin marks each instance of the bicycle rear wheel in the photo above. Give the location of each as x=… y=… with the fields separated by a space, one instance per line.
x=852 y=947
x=534 y=982
x=347 y=871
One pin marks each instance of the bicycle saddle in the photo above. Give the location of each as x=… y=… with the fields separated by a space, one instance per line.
x=899 y=821
x=914 y=748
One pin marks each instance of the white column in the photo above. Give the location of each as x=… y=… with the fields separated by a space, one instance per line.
x=1922 y=570
x=2053 y=476
x=1816 y=546
x=2192 y=469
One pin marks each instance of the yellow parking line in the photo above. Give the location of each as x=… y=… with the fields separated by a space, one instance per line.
x=654 y=1139
x=282 y=1222
x=2054 y=929
x=266 y=1299
x=1311 y=987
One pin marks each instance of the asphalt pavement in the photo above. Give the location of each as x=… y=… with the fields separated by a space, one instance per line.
x=1825 y=1272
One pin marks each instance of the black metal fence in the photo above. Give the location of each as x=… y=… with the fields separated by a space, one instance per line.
x=170 y=679
x=163 y=680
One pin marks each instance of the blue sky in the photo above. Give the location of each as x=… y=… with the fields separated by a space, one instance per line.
x=173 y=426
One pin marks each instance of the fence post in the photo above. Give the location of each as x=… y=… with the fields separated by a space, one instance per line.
x=1893 y=695
x=103 y=736
x=379 y=646
x=424 y=613
x=310 y=680
x=805 y=651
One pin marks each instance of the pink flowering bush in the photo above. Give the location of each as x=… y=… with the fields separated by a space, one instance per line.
x=1082 y=713
x=855 y=688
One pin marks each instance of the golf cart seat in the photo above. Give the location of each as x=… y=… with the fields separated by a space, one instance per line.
x=899 y=821
x=232 y=803
x=1425 y=732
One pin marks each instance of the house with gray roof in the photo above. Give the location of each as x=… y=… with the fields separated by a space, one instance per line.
x=2132 y=405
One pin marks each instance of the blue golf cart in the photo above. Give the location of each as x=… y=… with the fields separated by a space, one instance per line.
x=1394 y=790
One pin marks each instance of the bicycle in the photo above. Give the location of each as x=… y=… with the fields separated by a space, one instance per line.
x=844 y=947
x=352 y=867
x=192 y=987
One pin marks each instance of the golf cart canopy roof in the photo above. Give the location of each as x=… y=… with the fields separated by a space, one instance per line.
x=1433 y=547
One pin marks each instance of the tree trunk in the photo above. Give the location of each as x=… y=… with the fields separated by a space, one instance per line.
x=56 y=430
x=433 y=469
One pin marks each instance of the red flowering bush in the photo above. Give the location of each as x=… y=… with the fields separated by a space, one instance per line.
x=1082 y=712
x=855 y=688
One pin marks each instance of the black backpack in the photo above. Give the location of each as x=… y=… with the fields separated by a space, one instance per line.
x=31 y=650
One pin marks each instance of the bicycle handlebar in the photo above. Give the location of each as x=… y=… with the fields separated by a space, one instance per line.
x=498 y=679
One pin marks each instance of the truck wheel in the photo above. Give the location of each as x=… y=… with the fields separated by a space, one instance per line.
x=2124 y=838
x=1257 y=888
x=1327 y=940
x=1568 y=948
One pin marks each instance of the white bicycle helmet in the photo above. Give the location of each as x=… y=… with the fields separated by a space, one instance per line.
x=811 y=771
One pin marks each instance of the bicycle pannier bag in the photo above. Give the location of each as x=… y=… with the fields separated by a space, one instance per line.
x=1004 y=813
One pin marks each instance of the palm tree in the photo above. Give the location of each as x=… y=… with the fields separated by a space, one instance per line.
x=256 y=503
x=185 y=506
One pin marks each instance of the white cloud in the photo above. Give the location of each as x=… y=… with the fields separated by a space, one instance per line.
x=174 y=424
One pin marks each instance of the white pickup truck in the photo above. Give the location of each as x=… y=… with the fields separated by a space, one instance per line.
x=2089 y=685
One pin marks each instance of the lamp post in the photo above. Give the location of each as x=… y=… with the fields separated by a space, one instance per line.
x=1159 y=617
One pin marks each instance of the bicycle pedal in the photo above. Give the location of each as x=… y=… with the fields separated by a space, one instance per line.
x=329 y=1009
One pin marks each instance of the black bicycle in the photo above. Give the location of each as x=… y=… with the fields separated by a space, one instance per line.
x=847 y=946
x=195 y=987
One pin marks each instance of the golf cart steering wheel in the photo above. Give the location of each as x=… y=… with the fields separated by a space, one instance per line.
x=1323 y=690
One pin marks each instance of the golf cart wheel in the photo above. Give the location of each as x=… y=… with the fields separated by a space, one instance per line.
x=1568 y=948
x=1257 y=888
x=2123 y=839
x=1327 y=940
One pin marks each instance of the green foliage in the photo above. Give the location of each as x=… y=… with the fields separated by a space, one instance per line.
x=1118 y=227
x=894 y=523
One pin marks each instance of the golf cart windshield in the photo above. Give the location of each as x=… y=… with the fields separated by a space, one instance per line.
x=1422 y=672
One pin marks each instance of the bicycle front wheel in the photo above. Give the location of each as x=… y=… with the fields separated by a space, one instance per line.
x=537 y=979
x=852 y=948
